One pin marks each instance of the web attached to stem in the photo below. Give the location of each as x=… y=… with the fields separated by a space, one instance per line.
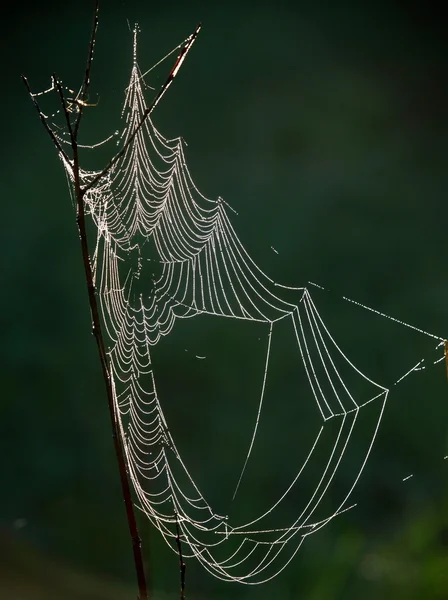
x=165 y=253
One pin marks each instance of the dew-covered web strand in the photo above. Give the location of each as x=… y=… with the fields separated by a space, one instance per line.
x=148 y=211
x=260 y=404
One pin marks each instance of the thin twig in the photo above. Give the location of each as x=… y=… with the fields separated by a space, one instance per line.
x=43 y=120
x=183 y=566
x=86 y=84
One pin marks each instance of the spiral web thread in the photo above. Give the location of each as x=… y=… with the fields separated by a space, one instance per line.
x=150 y=215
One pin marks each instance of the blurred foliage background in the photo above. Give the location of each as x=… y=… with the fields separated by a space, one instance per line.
x=325 y=126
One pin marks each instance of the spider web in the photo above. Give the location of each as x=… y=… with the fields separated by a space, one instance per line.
x=164 y=254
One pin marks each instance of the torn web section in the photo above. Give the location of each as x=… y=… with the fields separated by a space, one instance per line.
x=410 y=362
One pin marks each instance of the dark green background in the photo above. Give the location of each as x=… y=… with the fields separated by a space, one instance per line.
x=325 y=126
